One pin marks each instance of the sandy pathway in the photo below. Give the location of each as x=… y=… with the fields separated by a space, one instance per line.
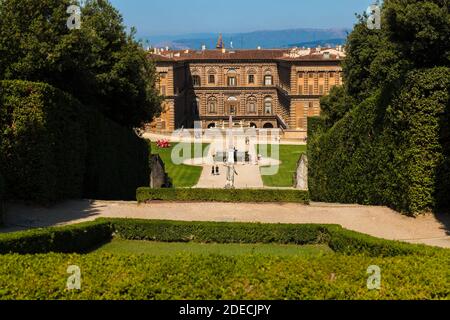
x=377 y=221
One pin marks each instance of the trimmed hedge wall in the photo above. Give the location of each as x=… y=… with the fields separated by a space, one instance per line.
x=217 y=232
x=387 y=155
x=315 y=126
x=117 y=161
x=53 y=148
x=222 y=195
x=69 y=239
x=83 y=237
x=2 y=192
x=43 y=142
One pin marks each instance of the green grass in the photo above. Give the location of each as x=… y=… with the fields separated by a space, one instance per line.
x=182 y=176
x=119 y=246
x=289 y=156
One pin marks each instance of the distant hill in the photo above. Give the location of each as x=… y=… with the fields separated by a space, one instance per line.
x=265 y=39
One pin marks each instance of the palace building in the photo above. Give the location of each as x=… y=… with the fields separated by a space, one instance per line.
x=272 y=88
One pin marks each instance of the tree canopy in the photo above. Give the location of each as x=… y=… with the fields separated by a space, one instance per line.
x=100 y=64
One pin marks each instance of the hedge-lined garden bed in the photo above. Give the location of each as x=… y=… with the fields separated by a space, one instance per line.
x=406 y=269
x=211 y=277
x=85 y=236
x=222 y=195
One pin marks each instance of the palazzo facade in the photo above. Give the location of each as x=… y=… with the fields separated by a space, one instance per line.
x=276 y=88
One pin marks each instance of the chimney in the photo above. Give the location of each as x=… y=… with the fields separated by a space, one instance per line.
x=203 y=47
x=167 y=48
x=259 y=48
x=224 y=50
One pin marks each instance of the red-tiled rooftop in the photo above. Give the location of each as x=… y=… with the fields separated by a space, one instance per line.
x=262 y=54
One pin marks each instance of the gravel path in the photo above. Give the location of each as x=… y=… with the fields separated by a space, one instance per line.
x=376 y=221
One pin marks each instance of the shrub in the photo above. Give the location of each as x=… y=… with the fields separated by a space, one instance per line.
x=77 y=238
x=53 y=148
x=223 y=195
x=386 y=155
x=315 y=126
x=2 y=192
x=43 y=143
x=214 y=232
x=117 y=161
x=210 y=277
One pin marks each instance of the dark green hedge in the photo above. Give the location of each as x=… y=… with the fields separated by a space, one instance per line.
x=43 y=142
x=216 y=232
x=315 y=126
x=387 y=155
x=222 y=195
x=69 y=239
x=2 y=192
x=117 y=161
x=53 y=148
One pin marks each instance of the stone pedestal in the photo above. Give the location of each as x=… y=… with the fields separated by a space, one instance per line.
x=301 y=175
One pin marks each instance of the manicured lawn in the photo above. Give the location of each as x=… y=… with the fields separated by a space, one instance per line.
x=289 y=156
x=119 y=246
x=182 y=176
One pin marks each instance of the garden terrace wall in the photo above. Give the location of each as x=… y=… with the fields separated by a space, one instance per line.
x=222 y=195
x=53 y=148
x=388 y=154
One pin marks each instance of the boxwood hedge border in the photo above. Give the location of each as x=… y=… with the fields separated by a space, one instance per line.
x=84 y=237
x=222 y=195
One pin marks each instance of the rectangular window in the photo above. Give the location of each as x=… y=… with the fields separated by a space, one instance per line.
x=311 y=90
x=252 y=107
x=300 y=75
x=311 y=75
x=163 y=90
x=320 y=89
x=231 y=81
x=321 y=75
x=268 y=80
x=196 y=81
x=331 y=75
x=212 y=107
x=212 y=79
x=300 y=89
x=251 y=79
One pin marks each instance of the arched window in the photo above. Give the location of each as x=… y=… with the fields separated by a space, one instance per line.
x=268 y=106
x=268 y=125
x=212 y=105
x=253 y=125
x=251 y=105
x=268 y=79
x=196 y=81
x=232 y=78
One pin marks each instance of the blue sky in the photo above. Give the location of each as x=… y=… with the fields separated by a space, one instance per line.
x=172 y=17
